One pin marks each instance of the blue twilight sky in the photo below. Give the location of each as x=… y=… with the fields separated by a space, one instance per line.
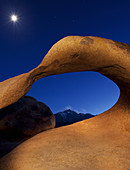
x=41 y=23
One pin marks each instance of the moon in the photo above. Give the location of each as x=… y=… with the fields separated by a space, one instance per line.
x=14 y=18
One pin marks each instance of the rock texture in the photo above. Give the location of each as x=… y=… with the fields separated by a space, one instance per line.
x=72 y=54
x=21 y=120
x=98 y=143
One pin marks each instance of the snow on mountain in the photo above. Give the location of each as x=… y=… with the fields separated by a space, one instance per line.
x=68 y=116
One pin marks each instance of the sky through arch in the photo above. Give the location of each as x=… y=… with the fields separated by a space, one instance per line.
x=84 y=92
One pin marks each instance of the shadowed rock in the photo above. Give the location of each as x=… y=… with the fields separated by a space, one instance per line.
x=21 y=120
x=26 y=117
x=98 y=143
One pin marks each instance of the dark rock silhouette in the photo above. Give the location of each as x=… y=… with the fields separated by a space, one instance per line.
x=68 y=117
x=21 y=120
x=26 y=117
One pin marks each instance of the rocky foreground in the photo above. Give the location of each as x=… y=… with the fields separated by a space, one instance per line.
x=99 y=143
x=96 y=143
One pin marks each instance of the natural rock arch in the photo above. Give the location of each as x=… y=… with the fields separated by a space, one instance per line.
x=72 y=54
x=105 y=132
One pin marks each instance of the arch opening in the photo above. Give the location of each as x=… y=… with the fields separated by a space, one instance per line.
x=83 y=92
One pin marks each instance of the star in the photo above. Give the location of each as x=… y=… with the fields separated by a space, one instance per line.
x=14 y=18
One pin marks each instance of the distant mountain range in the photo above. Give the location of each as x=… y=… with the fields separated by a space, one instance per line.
x=68 y=117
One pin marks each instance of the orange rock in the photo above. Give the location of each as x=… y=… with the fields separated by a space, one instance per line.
x=98 y=143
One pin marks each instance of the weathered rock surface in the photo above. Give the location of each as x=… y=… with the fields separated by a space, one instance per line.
x=72 y=54
x=21 y=120
x=98 y=143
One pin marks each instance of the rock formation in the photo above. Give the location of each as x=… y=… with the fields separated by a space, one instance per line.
x=97 y=143
x=21 y=120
